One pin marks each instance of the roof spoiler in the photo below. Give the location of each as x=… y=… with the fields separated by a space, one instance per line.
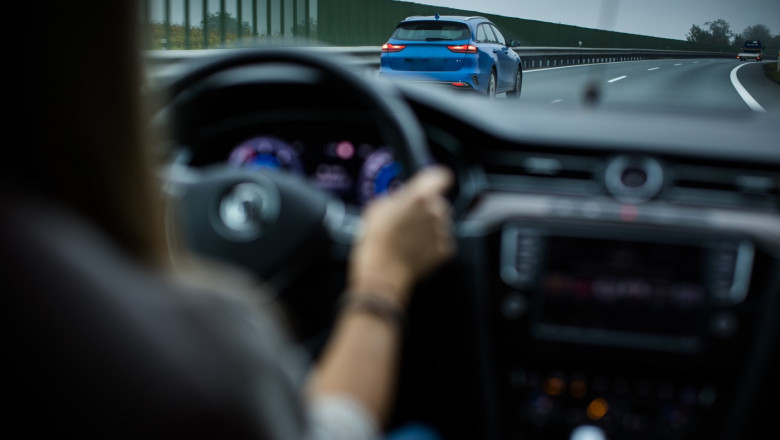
x=473 y=17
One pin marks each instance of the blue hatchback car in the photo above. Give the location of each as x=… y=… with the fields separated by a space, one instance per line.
x=463 y=52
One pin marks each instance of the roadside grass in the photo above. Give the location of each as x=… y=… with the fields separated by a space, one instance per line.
x=771 y=71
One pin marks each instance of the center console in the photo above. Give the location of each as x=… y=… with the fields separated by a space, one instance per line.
x=636 y=331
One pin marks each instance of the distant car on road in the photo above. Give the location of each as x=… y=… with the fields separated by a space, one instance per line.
x=462 y=52
x=751 y=50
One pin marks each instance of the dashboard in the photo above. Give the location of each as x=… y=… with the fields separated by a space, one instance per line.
x=618 y=267
x=353 y=167
x=622 y=271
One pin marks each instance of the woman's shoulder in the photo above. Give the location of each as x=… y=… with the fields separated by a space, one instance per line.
x=100 y=340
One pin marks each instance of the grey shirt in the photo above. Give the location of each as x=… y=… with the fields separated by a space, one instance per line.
x=103 y=347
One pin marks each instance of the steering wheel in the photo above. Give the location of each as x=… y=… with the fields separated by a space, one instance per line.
x=263 y=220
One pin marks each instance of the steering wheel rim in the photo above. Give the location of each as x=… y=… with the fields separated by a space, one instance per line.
x=395 y=120
x=201 y=194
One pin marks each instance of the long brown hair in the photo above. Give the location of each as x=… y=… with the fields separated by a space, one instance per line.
x=88 y=148
x=90 y=145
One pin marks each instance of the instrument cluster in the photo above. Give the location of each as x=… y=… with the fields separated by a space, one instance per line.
x=354 y=170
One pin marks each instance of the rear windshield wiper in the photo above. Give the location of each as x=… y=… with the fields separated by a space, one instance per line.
x=436 y=39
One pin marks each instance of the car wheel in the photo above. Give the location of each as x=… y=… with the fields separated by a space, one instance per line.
x=491 y=88
x=518 y=85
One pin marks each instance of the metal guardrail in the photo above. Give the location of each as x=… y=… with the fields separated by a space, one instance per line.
x=533 y=57
x=545 y=57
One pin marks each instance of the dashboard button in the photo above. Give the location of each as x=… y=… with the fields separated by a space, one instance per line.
x=514 y=306
x=723 y=325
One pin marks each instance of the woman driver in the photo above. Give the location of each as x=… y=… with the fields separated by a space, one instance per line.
x=104 y=341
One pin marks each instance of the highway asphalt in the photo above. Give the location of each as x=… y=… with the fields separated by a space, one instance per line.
x=685 y=83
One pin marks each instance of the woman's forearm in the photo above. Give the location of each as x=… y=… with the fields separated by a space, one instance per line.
x=360 y=361
x=405 y=237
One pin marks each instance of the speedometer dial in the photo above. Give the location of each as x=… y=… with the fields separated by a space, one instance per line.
x=266 y=152
x=379 y=175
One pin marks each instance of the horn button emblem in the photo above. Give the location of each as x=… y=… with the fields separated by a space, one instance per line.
x=245 y=210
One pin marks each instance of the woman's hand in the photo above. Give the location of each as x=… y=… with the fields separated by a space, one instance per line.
x=405 y=236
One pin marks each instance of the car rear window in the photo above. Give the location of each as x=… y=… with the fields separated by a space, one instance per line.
x=431 y=31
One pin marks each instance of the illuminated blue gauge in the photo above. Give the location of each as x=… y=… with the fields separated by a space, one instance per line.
x=266 y=152
x=379 y=175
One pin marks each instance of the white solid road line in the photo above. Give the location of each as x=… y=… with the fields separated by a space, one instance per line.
x=653 y=68
x=617 y=79
x=678 y=64
x=749 y=100
x=556 y=101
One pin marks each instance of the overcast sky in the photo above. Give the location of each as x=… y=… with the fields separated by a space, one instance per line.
x=658 y=18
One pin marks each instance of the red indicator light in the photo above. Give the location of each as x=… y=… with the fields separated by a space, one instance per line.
x=345 y=150
x=460 y=84
x=628 y=213
x=463 y=48
x=387 y=47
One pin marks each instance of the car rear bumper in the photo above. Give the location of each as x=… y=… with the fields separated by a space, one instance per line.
x=463 y=80
x=454 y=86
x=750 y=56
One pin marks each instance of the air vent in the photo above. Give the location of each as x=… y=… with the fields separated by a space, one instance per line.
x=634 y=179
x=724 y=187
x=543 y=173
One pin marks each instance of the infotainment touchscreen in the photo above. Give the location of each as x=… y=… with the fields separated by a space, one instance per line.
x=621 y=286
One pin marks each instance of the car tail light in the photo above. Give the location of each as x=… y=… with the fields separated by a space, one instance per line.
x=387 y=47
x=460 y=84
x=463 y=48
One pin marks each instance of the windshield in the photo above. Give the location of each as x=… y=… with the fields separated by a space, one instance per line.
x=663 y=53
x=431 y=31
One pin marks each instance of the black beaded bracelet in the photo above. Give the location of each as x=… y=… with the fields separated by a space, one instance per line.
x=374 y=305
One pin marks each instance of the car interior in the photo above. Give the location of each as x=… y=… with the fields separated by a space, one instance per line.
x=618 y=266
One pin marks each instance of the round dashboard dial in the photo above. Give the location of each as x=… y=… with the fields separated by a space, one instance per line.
x=380 y=174
x=266 y=152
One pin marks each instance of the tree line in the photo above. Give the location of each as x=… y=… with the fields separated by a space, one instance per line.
x=718 y=32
